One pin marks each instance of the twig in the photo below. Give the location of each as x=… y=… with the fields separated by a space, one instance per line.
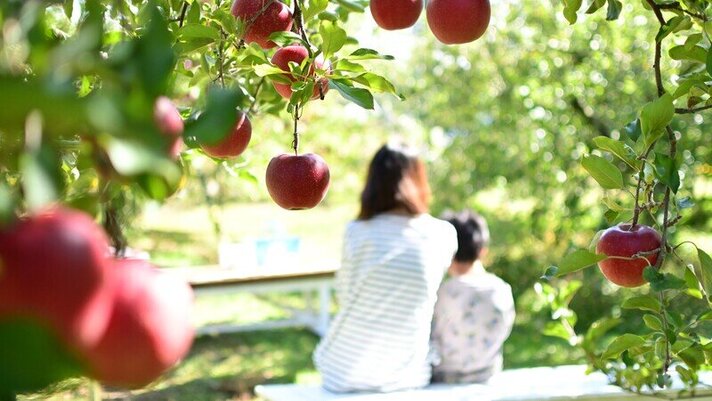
x=183 y=11
x=300 y=27
x=641 y=179
x=676 y=7
x=254 y=97
x=692 y=110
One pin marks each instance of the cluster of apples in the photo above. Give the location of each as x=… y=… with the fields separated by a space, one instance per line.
x=123 y=320
x=451 y=21
x=629 y=250
x=294 y=181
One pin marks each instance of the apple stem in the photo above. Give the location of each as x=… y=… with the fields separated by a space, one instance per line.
x=295 y=141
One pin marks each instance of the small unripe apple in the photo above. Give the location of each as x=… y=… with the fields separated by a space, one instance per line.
x=262 y=18
x=234 y=143
x=396 y=14
x=296 y=53
x=150 y=328
x=169 y=123
x=297 y=182
x=458 y=21
x=626 y=241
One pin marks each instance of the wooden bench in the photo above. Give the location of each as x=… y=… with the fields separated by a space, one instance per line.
x=314 y=282
x=531 y=384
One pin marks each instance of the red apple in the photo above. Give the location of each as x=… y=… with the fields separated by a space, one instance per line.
x=53 y=270
x=396 y=14
x=150 y=328
x=297 y=182
x=296 y=53
x=625 y=241
x=458 y=21
x=169 y=123
x=262 y=18
x=234 y=143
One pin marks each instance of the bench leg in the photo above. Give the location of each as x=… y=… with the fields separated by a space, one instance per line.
x=324 y=309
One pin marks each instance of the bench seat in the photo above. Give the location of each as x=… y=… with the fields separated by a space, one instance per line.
x=531 y=384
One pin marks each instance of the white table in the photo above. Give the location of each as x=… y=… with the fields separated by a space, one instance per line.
x=532 y=384
x=313 y=282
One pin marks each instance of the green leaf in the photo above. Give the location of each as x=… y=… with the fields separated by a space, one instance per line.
x=595 y=6
x=601 y=327
x=642 y=302
x=68 y=8
x=556 y=329
x=704 y=271
x=632 y=130
x=614 y=10
x=198 y=31
x=285 y=38
x=193 y=16
x=360 y=96
x=653 y=322
x=367 y=54
x=693 y=356
x=333 y=38
x=570 y=9
x=666 y=171
x=694 y=53
x=622 y=343
x=674 y=24
x=655 y=116
x=578 y=260
x=314 y=8
x=611 y=216
x=218 y=118
x=377 y=83
x=603 y=171
x=617 y=148
x=708 y=61
x=42 y=182
x=549 y=273
x=662 y=281
x=32 y=357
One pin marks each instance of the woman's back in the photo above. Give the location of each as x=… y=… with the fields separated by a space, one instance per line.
x=387 y=285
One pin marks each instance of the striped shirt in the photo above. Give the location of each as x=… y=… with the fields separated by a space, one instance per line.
x=391 y=268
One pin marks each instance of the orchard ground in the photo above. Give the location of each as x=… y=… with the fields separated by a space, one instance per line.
x=229 y=366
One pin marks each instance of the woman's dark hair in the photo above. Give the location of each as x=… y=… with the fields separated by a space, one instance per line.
x=396 y=180
x=472 y=234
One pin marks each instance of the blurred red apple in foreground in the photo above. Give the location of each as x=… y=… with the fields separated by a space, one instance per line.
x=297 y=182
x=296 y=54
x=149 y=330
x=625 y=241
x=53 y=270
x=458 y=21
x=396 y=14
x=234 y=143
x=170 y=123
x=262 y=18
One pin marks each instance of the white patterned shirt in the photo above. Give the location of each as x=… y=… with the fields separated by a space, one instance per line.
x=391 y=269
x=473 y=317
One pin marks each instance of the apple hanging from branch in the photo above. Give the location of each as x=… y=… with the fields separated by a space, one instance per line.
x=297 y=54
x=234 y=143
x=630 y=249
x=396 y=14
x=458 y=21
x=262 y=18
x=297 y=182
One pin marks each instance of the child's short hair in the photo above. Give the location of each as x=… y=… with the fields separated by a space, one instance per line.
x=472 y=234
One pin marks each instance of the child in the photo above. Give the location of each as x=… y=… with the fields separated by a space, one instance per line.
x=474 y=312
